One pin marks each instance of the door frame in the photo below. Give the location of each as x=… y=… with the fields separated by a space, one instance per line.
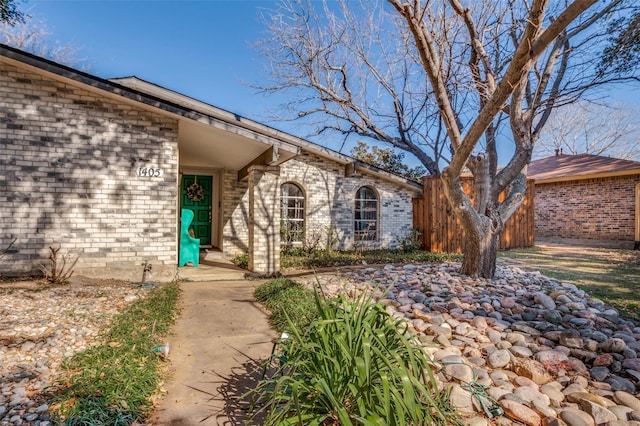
x=216 y=199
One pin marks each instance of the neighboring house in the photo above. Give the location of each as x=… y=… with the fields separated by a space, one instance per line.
x=587 y=196
x=104 y=167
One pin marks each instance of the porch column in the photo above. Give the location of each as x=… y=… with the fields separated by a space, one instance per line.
x=264 y=219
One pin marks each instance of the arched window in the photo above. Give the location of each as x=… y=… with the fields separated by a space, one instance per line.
x=292 y=219
x=365 y=225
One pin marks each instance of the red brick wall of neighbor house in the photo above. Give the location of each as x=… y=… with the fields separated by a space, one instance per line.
x=592 y=208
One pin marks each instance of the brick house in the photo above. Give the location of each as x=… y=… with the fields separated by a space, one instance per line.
x=104 y=167
x=587 y=196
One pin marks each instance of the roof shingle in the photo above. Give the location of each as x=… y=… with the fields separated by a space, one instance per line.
x=579 y=166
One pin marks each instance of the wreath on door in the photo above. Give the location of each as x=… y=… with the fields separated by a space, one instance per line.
x=195 y=192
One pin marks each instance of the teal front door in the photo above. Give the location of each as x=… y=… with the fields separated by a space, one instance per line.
x=196 y=194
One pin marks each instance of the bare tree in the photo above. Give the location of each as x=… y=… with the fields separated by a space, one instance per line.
x=31 y=35
x=357 y=74
x=7 y=249
x=592 y=128
x=443 y=81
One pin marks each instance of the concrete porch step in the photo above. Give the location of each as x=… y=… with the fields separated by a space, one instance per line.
x=211 y=254
x=212 y=269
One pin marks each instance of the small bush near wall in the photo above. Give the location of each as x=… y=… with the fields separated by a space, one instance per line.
x=411 y=242
x=304 y=244
x=60 y=267
x=241 y=260
x=324 y=258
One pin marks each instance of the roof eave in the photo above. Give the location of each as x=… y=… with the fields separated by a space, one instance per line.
x=179 y=98
x=361 y=165
x=176 y=106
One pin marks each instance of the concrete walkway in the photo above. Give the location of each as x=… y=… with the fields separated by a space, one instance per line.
x=216 y=347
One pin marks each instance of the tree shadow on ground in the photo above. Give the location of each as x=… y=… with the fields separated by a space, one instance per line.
x=238 y=407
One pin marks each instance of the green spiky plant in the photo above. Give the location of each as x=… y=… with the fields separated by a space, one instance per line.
x=353 y=365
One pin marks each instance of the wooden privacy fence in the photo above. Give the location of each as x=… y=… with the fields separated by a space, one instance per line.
x=441 y=231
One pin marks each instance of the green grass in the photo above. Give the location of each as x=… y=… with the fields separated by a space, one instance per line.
x=352 y=365
x=610 y=275
x=326 y=258
x=112 y=383
x=286 y=298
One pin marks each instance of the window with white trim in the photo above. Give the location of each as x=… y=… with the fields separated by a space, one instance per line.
x=292 y=214
x=365 y=225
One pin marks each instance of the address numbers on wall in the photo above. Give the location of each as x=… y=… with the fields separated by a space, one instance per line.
x=148 y=172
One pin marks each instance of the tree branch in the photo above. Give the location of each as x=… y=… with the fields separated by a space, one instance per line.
x=432 y=65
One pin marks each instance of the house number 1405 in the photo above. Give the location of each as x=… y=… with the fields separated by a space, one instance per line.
x=149 y=172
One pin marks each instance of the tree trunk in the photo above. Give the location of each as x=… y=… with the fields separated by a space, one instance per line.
x=481 y=231
x=480 y=252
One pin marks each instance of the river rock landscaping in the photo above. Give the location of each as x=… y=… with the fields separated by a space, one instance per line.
x=40 y=327
x=542 y=350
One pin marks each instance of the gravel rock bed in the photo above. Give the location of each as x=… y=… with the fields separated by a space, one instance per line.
x=544 y=351
x=39 y=328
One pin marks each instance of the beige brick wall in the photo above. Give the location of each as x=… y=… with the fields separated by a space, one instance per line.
x=67 y=176
x=264 y=220
x=235 y=215
x=329 y=204
x=330 y=200
x=592 y=208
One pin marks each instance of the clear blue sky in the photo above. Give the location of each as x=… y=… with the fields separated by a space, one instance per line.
x=198 y=48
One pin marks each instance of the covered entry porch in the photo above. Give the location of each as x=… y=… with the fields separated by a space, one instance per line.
x=228 y=170
x=228 y=176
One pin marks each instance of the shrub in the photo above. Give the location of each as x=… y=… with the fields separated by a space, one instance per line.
x=324 y=258
x=351 y=366
x=241 y=260
x=411 y=242
x=60 y=268
x=333 y=238
x=293 y=251
x=307 y=243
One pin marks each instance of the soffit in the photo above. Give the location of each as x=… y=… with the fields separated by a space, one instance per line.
x=204 y=146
